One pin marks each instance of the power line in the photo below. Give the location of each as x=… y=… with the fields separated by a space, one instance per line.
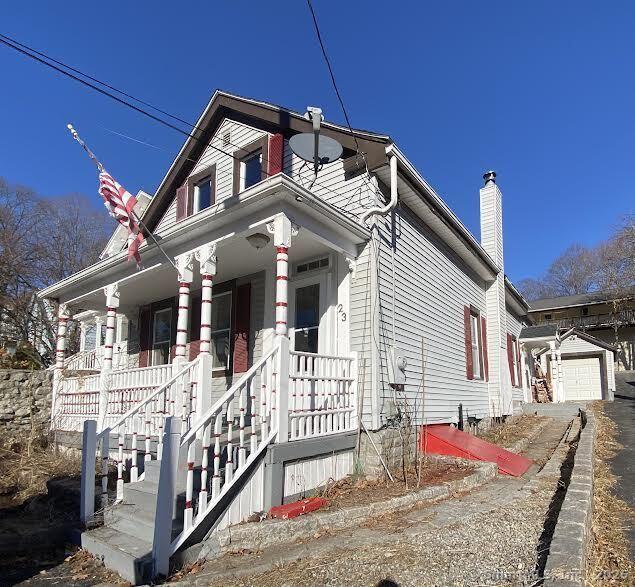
x=328 y=64
x=44 y=59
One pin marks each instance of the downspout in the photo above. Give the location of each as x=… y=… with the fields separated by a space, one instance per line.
x=382 y=211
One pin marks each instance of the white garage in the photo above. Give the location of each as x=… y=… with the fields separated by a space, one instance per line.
x=587 y=367
x=582 y=378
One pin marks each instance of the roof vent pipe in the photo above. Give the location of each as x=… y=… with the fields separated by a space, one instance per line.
x=489 y=176
x=382 y=211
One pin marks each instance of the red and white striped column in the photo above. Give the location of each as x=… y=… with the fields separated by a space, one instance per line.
x=206 y=256
x=60 y=344
x=184 y=264
x=282 y=230
x=112 y=303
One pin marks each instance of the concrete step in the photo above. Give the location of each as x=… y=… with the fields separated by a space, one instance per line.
x=126 y=554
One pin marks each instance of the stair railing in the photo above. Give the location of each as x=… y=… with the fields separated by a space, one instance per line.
x=141 y=424
x=234 y=433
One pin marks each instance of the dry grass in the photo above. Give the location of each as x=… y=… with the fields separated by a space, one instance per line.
x=609 y=561
x=512 y=430
x=26 y=465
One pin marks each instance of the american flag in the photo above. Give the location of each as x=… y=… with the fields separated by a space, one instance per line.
x=120 y=204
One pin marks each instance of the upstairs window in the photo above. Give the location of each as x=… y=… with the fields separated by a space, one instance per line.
x=203 y=193
x=250 y=170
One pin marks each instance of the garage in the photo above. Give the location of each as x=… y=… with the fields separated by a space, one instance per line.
x=582 y=378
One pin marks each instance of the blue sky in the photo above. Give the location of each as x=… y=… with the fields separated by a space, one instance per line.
x=541 y=91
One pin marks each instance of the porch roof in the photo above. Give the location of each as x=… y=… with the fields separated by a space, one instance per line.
x=243 y=214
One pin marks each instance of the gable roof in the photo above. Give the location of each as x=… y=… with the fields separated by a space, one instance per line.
x=587 y=299
x=262 y=115
x=591 y=339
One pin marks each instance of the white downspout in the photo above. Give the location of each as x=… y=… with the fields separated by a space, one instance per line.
x=382 y=211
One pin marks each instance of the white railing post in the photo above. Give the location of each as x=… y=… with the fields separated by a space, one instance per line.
x=165 y=498
x=89 y=449
x=203 y=385
x=282 y=391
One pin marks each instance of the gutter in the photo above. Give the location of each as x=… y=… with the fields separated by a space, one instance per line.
x=384 y=210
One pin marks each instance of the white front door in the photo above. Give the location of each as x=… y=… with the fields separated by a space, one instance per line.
x=307 y=314
x=582 y=378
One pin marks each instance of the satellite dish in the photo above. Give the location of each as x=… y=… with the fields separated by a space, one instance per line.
x=303 y=145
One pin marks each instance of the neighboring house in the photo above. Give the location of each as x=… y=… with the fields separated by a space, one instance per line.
x=608 y=316
x=300 y=311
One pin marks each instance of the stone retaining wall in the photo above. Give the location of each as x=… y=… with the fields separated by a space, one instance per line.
x=25 y=401
x=566 y=563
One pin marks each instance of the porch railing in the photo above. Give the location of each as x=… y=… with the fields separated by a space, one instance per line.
x=322 y=395
x=92 y=360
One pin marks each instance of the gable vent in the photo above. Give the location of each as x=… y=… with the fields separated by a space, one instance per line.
x=227 y=137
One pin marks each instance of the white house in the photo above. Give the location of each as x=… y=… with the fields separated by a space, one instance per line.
x=302 y=309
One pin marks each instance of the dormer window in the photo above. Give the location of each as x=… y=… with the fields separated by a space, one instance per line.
x=250 y=170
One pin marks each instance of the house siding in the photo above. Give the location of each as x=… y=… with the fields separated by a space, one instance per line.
x=432 y=287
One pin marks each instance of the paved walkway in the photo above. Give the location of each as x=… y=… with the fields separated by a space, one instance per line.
x=491 y=536
x=622 y=412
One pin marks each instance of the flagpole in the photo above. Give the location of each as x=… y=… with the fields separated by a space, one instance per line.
x=138 y=220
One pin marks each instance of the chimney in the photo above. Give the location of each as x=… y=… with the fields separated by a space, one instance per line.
x=499 y=385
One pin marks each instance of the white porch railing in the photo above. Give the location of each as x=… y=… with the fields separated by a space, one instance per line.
x=322 y=395
x=241 y=423
x=92 y=360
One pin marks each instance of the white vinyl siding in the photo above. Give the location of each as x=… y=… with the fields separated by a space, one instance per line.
x=432 y=288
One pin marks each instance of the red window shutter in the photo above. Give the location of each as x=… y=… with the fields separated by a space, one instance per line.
x=469 y=360
x=181 y=203
x=484 y=341
x=519 y=381
x=510 y=356
x=145 y=335
x=275 y=155
x=241 y=329
x=195 y=328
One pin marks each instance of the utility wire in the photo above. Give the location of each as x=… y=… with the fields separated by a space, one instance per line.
x=44 y=59
x=328 y=64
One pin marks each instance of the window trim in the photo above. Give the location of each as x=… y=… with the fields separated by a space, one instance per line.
x=230 y=330
x=262 y=144
x=476 y=314
x=168 y=341
x=195 y=178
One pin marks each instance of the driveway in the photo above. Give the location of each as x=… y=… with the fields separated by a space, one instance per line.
x=622 y=412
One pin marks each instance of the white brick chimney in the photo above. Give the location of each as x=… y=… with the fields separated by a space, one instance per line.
x=499 y=385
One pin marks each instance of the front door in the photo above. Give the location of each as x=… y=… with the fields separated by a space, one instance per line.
x=307 y=315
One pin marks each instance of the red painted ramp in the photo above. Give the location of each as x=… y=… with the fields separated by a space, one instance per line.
x=442 y=439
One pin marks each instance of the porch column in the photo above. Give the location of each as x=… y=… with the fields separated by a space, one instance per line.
x=82 y=336
x=60 y=356
x=112 y=303
x=560 y=374
x=206 y=257
x=184 y=264
x=282 y=229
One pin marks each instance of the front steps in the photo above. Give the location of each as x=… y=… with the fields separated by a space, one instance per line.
x=561 y=411
x=124 y=542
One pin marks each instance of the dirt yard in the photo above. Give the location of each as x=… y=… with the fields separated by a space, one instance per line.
x=351 y=491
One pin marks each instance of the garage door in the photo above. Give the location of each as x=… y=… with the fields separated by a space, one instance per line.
x=582 y=378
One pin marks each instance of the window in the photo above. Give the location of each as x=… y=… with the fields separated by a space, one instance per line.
x=307 y=318
x=547 y=316
x=515 y=370
x=585 y=311
x=221 y=330
x=250 y=170
x=161 y=334
x=477 y=351
x=312 y=265
x=204 y=193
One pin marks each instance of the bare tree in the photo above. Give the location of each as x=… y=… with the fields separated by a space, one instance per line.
x=42 y=240
x=573 y=272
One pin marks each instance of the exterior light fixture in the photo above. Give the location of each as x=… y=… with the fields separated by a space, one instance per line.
x=258 y=240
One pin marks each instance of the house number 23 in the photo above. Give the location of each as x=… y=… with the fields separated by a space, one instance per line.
x=341 y=313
